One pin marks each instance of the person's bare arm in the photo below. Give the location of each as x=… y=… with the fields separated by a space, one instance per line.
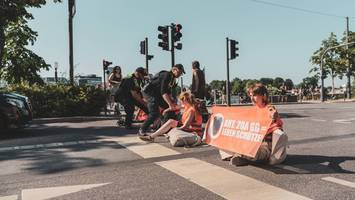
x=110 y=79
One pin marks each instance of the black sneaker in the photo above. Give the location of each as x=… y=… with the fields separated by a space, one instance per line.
x=146 y=138
x=238 y=161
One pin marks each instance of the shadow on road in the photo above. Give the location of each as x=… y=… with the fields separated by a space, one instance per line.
x=292 y=115
x=48 y=160
x=313 y=164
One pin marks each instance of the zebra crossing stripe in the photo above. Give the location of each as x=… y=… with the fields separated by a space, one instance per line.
x=143 y=149
x=339 y=181
x=223 y=182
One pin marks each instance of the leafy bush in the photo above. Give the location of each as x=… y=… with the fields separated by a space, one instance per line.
x=62 y=100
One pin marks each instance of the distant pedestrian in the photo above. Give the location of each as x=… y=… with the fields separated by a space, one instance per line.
x=115 y=79
x=158 y=94
x=198 y=81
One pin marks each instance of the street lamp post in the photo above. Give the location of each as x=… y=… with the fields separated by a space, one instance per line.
x=321 y=68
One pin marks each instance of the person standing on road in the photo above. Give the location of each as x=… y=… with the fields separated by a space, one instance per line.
x=158 y=94
x=273 y=147
x=198 y=81
x=129 y=94
x=115 y=79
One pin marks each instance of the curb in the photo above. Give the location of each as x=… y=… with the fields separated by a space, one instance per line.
x=72 y=119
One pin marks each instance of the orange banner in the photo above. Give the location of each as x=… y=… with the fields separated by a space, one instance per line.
x=237 y=129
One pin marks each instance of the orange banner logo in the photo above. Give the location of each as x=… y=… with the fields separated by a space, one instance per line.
x=237 y=129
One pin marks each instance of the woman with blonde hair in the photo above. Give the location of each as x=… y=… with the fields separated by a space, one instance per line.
x=191 y=120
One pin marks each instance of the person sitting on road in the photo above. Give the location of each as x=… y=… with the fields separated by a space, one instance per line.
x=273 y=147
x=191 y=120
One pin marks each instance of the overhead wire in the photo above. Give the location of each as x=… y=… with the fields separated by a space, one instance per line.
x=299 y=9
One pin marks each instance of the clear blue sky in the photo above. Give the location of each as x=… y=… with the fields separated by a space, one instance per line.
x=274 y=41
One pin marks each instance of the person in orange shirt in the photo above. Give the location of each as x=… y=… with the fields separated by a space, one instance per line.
x=273 y=148
x=191 y=120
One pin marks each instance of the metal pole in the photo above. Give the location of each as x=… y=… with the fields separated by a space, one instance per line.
x=71 y=57
x=146 y=55
x=104 y=75
x=227 y=82
x=322 y=78
x=348 y=60
x=56 y=72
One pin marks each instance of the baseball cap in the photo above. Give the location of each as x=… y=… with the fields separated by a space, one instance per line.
x=180 y=67
x=142 y=71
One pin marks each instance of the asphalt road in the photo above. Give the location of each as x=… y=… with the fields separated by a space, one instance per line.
x=97 y=160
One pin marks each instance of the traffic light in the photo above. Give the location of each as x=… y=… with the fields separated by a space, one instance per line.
x=233 y=49
x=176 y=32
x=142 y=47
x=105 y=64
x=164 y=36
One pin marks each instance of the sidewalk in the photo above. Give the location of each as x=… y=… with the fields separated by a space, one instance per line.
x=72 y=119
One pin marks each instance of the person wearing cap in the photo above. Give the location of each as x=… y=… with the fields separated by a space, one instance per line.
x=158 y=94
x=198 y=81
x=129 y=94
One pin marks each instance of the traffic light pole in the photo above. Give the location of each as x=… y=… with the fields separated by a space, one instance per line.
x=348 y=61
x=71 y=57
x=172 y=49
x=146 y=55
x=227 y=82
x=104 y=75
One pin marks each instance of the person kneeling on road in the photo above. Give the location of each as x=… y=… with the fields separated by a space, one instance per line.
x=273 y=147
x=191 y=120
x=158 y=93
x=129 y=94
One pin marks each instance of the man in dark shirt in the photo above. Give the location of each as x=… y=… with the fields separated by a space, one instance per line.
x=129 y=94
x=158 y=93
x=198 y=81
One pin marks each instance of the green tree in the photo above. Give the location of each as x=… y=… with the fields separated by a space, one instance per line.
x=237 y=86
x=217 y=85
x=278 y=82
x=289 y=84
x=333 y=65
x=266 y=81
x=17 y=63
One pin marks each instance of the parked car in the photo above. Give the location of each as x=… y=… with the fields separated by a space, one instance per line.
x=15 y=110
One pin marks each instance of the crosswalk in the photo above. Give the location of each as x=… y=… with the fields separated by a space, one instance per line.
x=216 y=179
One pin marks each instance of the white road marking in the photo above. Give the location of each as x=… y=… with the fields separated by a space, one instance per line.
x=223 y=182
x=134 y=144
x=319 y=120
x=143 y=149
x=12 y=197
x=339 y=181
x=293 y=169
x=49 y=145
x=344 y=121
x=51 y=192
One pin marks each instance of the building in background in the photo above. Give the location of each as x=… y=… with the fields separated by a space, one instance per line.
x=88 y=80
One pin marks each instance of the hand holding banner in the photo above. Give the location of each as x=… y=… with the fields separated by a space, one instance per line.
x=238 y=129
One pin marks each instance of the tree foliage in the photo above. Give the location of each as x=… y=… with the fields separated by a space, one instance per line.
x=17 y=62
